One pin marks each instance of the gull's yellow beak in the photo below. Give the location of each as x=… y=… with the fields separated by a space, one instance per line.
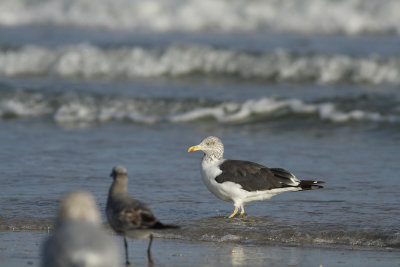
x=194 y=148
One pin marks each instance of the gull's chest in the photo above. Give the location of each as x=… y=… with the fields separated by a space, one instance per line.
x=210 y=170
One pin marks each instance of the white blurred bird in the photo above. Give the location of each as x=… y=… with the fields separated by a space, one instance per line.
x=79 y=239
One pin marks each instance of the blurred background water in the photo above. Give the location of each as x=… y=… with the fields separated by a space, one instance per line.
x=311 y=86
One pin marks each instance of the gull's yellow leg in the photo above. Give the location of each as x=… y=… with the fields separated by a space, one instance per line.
x=242 y=210
x=234 y=212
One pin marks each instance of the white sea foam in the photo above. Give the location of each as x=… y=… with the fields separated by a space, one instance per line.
x=303 y=16
x=237 y=112
x=75 y=112
x=88 y=109
x=88 y=61
x=23 y=106
x=225 y=238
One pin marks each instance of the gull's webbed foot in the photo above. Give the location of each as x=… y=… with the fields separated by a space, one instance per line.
x=233 y=213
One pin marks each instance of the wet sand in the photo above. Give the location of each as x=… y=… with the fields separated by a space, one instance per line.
x=22 y=248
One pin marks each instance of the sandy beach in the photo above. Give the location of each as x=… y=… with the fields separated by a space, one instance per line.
x=22 y=248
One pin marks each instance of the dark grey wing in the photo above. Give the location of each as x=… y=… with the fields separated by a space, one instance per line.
x=252 y=176
x=126 y=213
x=282 y=173
x=138 y=215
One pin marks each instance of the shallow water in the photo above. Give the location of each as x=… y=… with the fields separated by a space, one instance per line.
x=76 y=101
x=22 y=249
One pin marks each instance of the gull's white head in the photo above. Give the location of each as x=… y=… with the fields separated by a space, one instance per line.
x=78 y=206
x=211 y=146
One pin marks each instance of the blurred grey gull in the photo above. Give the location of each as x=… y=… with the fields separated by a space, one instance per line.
x=130 y=217
x=78 y=239
x=241 y=181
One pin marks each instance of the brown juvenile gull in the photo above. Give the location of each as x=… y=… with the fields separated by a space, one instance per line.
x=78 y=239
x=130 y=217
x=241 y=181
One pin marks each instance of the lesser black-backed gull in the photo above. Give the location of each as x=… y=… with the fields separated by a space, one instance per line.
x=130 y=217
x=78 y=239
x=241 y=181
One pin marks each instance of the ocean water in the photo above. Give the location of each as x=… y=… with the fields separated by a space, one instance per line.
x=85 y=86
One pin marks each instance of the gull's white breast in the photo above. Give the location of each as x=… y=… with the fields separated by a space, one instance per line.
x=227 y=191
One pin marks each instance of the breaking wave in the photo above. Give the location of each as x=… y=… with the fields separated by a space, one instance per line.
x=88 y=61
x=348 y=17
x=77 y=108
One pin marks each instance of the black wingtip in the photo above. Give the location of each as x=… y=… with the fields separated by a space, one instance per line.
x=311 y=184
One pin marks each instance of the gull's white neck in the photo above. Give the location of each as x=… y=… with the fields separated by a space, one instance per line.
x=209 y=166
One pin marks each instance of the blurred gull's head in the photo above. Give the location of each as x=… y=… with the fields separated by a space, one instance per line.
x=78 y=206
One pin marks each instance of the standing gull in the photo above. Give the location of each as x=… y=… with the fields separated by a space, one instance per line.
x=130 y=217
x=240 y=181
x=78 y=239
